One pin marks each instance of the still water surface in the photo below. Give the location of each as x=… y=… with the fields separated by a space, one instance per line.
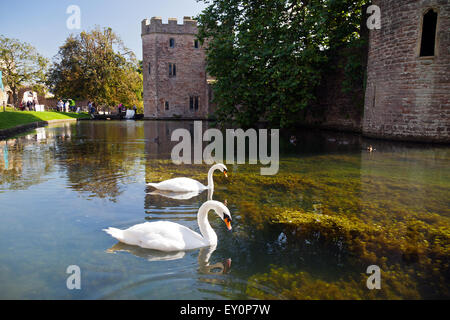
x=61 y=185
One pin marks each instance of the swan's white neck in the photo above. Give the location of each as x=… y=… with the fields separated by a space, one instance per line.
x=207 y=232
x=210 y=176
x=210 y=194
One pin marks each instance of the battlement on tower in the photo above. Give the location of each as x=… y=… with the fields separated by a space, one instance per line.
x=174 y=65
x=155 y=25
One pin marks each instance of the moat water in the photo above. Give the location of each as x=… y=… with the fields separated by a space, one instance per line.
x=309 y=232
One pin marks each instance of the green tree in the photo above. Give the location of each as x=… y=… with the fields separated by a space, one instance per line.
x=21 y=65
x=97 y=66
x=268 y=57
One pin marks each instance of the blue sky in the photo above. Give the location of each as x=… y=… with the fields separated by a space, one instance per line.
x=43 y=23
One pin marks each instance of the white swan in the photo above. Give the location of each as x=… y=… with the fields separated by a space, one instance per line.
x=188 y=184
x=170 y=236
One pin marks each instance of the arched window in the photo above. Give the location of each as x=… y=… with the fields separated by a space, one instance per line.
x=429 y=28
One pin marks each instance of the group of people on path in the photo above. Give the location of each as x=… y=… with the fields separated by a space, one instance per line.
x=70 y=106
x=67 y=106
x=122 y=109
x=29 y=105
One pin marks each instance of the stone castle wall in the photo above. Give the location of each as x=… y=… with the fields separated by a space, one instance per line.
x=407 y=96
x=338 y=106
x=190 y=62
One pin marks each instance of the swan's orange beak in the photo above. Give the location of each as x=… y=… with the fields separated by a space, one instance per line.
x=227 y=223
x=225 y=173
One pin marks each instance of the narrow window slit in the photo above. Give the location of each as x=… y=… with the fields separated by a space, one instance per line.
x=429 y=28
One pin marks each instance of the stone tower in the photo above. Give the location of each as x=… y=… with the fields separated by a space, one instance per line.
x=408 y=74
x=174 y=68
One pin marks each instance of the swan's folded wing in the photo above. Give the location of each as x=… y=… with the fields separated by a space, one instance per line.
x=164 y=236
x=181 y=185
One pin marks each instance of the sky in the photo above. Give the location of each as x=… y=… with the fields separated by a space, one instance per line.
x=43 y=23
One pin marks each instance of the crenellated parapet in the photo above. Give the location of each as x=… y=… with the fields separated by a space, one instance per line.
x=174 y=70
x=155 y=25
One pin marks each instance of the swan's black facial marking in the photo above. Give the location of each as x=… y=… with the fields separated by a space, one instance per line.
x=227 y=220
x=225 y=172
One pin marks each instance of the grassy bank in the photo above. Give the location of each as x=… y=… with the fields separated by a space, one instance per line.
x=11 y=119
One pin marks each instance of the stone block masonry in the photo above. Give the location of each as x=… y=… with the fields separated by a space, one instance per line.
x=408 y=93
x=174 y=68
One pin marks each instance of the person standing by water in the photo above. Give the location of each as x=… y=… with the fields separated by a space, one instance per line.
x=91 y=106
x=60 y=105
x=120 y=110
x=72 y=105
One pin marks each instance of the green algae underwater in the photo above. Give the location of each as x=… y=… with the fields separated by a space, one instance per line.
x=308 y=232
x=388 y=208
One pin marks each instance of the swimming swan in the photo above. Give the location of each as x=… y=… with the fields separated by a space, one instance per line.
x=169 y=236
x=188 y=184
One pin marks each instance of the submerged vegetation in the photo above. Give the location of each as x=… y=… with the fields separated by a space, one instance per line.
x=308 y=232
x=366 y=209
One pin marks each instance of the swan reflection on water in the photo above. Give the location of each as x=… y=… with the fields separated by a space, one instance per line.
x=175 y=195
x=203 y=258
x=180 y=195
x=148 y=254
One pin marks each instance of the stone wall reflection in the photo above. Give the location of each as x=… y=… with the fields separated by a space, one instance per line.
x=158 y=149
